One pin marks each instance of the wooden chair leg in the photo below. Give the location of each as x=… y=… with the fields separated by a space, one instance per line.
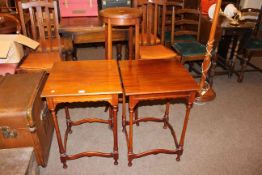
x=74 y=54
x=191 y=65
x=119 y=51
x=212 y=70
x=166 y=115
x=245 y=60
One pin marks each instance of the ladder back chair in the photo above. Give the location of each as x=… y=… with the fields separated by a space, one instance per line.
x=152 y=30
x=185 y=38
x=253 y=47
x=185 y=34
x=171 y=4
x=44 y=29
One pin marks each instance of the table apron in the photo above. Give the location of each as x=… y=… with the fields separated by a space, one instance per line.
x=110 y=98
x=135 y=99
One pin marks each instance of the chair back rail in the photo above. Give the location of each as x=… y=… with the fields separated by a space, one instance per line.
x=153 y=22
x=44 y=23
x=188 y=23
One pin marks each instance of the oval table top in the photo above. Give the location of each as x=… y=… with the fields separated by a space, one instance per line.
x=121 y=12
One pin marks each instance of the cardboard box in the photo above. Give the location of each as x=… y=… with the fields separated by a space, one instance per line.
x=69 y=8
x=11 y=47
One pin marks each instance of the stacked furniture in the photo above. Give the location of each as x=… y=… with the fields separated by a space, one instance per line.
x=44 y=28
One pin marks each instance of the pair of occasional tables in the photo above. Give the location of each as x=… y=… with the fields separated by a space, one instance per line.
x=107 y=80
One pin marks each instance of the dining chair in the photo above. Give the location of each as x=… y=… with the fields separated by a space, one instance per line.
x=153 y=30
x=177 y=4
x=9 y=68
x=44 y=29
x=185 y=34
x=253 y=46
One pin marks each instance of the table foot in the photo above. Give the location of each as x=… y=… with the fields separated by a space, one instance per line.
x=116 y=162
x=240 y=79
x=64 y=165
x=130 y=163
x=179 y=153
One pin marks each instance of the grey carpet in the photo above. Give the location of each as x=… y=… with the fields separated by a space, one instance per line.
x=224 y=137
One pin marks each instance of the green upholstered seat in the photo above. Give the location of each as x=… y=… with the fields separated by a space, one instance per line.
x=189 y=48
x=179 y=38
x=254 y=43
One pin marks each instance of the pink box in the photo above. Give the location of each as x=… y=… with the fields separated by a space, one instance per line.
x=70 y=8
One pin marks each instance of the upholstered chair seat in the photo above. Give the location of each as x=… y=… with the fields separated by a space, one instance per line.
x=187 y=49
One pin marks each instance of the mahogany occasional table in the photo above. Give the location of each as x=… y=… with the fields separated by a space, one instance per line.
x=83 y=81
x=121 y=16
x=154 y=80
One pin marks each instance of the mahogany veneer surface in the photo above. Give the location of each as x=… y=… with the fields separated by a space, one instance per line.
x=156 y=76
x=92 y=77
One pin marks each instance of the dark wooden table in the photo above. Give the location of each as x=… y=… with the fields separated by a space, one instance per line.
x=236 y=35
x=79 y=30
x=83 y=81
x=229 y=39
x=155 y=80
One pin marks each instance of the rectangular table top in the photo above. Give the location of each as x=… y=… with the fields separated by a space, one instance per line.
x=78 y=78
x=156 y=76
x=80 y=24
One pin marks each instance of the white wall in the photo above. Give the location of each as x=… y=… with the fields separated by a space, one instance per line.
x=251 y=3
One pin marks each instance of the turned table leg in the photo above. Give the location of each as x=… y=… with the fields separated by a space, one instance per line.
x=130 y=141
x=182 y=138
x=115 y=153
